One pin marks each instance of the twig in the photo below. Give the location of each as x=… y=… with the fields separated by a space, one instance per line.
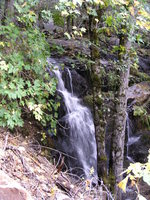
x=6 y=142
x=56 y=151
x=56 y=164
x=108 y=192
x=18 y=153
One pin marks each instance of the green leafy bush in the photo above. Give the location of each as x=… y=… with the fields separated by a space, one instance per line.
x=25 y=85
x=135 y=172
x=141 y=112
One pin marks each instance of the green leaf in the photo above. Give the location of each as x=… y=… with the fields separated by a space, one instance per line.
x=67 y=35
x=109 y=20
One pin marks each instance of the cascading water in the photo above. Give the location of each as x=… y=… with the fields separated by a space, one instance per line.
x=78 y=136
x=130 y=138
x=70 y=80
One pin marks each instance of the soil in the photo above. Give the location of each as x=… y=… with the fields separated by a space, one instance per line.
x=29 y=163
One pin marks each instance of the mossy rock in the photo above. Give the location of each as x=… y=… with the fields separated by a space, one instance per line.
x=58 y=19
x=96 y=80
x=145 y=139
x=88 y=100
x=137 y=76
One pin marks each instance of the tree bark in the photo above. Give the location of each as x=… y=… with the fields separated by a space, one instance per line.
x=99 y=117
x=120 y=118
x=69 y=24
x=8 y=11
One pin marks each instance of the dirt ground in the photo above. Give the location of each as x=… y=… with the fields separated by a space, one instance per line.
x=25 y=160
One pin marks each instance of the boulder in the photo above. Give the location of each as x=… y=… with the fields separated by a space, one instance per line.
x=61 y=196
x=144 y=64
x=11 y=190
x=139 y=150
x=139 y=92
x=79 y=83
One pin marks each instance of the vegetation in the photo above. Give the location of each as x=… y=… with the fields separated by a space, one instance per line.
x=134 y=173
x=27 y=89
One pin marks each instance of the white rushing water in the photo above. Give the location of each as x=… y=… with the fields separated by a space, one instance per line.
x=80 y=139
x=130 y=138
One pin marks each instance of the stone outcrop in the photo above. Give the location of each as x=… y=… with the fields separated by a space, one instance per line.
x=144 y=64
x=139 y=92
x=11 y=190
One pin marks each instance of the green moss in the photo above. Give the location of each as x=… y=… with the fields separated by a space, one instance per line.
x=96 y=80
x=113 y=80
x=111 y=180
x=137 y=76
x=103 y=158
x=99 y=101
x=88 y=99
x=100 y=113
x=58 y=19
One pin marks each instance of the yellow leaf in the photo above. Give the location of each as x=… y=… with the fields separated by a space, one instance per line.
x=64 y=13
x=144 y=14
x=131 y=9
x=99 y=2
x=31 y=12
x=123 y=184
x=24 y=4
x=96 y=20
x=143 y=24
x=108 y=31
x=121 y=2
x=133 y=183
x=92 y=170
x=2 y=44
x=132 y=177
x=136 y=3
x=148 y=166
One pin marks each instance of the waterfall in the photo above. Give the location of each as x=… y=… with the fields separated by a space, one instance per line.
x=131 y=139
x=70 y=80
x=78 y=136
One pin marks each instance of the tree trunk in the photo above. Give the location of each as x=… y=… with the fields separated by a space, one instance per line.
x=8 y=11
x=99 y=117
x=120 y=118
x=1 y=10
x=119 y=132
x=69 y=24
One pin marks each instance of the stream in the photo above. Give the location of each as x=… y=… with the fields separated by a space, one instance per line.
x=77 y=138
x=131 y=139
x=76 y=132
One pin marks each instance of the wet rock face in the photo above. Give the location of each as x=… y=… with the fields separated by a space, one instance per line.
x=79 y=87
x=144 y=64
x=78 y=82
x=139 y=150
x=139 y=92
x=11 y=190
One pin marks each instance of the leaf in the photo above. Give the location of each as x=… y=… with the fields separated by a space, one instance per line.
x=64 y=13
x=140 y=197
x=24 y=4
x=123 y=184
x=92 y=170
x=146 y=173
x=83 y=29
x=68 y=36
x=146 y=178
x=99 y=2
x=109 y=20
x=131 y=9
x=2 y=44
